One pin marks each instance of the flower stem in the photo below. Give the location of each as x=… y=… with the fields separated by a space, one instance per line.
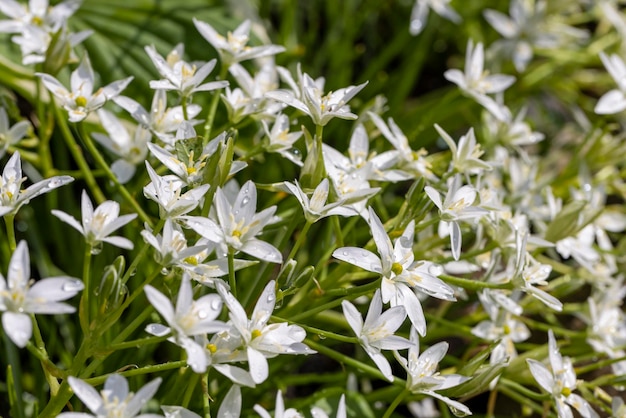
x=155 y=368
x=323 y=333
x=300 y=240
x=210 y=119
x=86 y=299
x=206 y=398
x=394 y=404
x=77 y=153
x=8 y=221
x=142 y=253
x=13 y=359
x=104 y=166
x=232 y=281
x=473 y=284
x=342 y=358
x=140 y=342
x=338 y=232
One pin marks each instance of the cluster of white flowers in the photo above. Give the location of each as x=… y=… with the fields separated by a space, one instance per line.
x=487 y=239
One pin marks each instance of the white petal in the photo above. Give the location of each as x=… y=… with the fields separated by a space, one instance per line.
x=612 y=102
x=86 y=393
x=359 y=257
x=231 y=404
x=542 y=375
x=161 y=303
x=142 y=396
x=259 y=369
x=354 y=318
x=262 y=250
x=18 y=327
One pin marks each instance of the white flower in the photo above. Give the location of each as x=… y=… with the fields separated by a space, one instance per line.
x=233 y=48
x=82 y=100
x=114 y=401
x=466 y=155
x=161 y=120
x=310 y=99
x=10 y=136
x=259 y=339
x=615 y=100
x=167 y=192
x=279 y=409
x=377 y=332
x=20 y=296
x=12 y=198
x=281 y=140
x=419 y=13
x=99 y=224
x=422 y=375
x=316 y=207
x=238 y=224
x=131 y=149
x=181 y=75
x=171 y=247
x=178 y=412
x=477 y=82
x=38 y=13
x=401 y=274
x=190 y=318
x=560 y=380
x=458 y=205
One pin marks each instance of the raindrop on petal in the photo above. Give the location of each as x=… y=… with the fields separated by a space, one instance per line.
x=72 y=286
x=216 y=304
x=435 y=269
x=202 y=314
x=245 y=201
x=271 y=298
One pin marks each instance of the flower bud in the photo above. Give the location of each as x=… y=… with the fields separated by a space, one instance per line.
x=112 y=291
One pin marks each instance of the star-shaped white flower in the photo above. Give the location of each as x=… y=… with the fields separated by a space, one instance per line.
x=188 y=319
x=114 y=401
x=238 y=224
x=478 y=83
x=422 y=375
x=310 y=99
x=10 y=135
x=82 y=99
x=259 y=339
x=560 y=380
x=419 y=13
x=401 y=274
x=378 y=331
x=181 y=76
x=234 y=47
x=615 y=100
x=98 y=224
x=20 y=296
x=12 y=197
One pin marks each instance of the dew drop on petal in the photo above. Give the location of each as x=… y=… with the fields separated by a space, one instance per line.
x=245 y=201
x=72 y=286
x=295 y=152
x=202 y=314
x=435 y=270
x=236 y=212
x=271 y=298
x=216 y=304
x=344 y=253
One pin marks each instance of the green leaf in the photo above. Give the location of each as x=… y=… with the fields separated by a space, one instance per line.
x=565 y=223
x=477 y=384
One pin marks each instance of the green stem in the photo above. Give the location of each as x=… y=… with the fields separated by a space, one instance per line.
x=473 y=284
x=210 y=119
x=13 y=359
x=206 y=398
x=8 y=221
x=338 y=232
x=49 y=369
x=300 y=240
x=527 y=393
x=184 y=106
x=86 y=302
x=362 y=290
x=232 y=281
x=77 y=153
x=342 y=358
x=394 y=404
x=156 y=368
x=323 y=333
x=111 y=176
x=140 y=342
x=142 y=253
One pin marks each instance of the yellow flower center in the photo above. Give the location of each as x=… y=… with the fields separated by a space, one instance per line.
x=81 y=101
x=211 y=347
x=256 y=333
x=397 y=268
x=566 y=392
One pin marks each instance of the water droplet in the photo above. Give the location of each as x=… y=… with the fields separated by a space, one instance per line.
x=216 y=304
x=435 y=270
x=295 y=152
x=352 y=260
x=364 y=253
x=344 y=253
x=72 y=286
x=54 y=183
x=270 y=256
x=96 y=249
x=133 y=272
x=164 y=271
x=237 y=212
x=271 y=298
x=245 y=201
x=321 y=337
x=202 y=314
